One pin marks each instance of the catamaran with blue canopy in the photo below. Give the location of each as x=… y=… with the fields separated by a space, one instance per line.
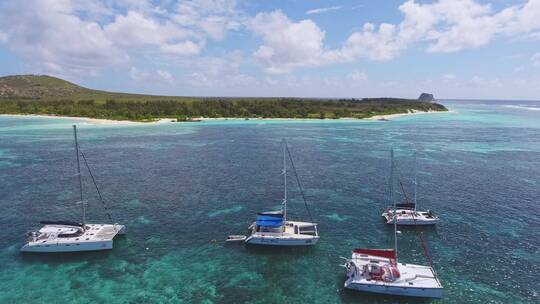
x=273 y=228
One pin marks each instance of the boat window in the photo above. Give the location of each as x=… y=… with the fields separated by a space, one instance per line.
x=69 y=235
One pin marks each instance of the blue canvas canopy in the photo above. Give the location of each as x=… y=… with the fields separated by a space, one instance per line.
x=270 y=219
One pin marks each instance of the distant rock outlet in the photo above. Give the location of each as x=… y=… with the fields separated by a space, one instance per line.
x=426 y=97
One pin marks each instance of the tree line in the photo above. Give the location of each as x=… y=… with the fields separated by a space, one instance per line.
x=141 y=110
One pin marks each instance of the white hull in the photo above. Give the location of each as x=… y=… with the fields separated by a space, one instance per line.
x=281 y=241
x=379 y=273
x=96 y=237
x=396 y=290
x=89 y=246
x=410 y=218
x=410 y=222
x=291 y=235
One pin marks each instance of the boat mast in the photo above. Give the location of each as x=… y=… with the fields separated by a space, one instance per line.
x=393 y=200
x=415 y=178
x=284 y=180
x=80 y=179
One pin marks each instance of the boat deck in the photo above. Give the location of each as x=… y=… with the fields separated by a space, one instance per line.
x=411 y=275
x=49 y=234
x=290 y=232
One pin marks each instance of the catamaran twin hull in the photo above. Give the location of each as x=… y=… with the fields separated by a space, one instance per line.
x=410 y=218
x=281 y=241
x=375 y=287
x=289 y=233
x=57 y=238
x=376 y=271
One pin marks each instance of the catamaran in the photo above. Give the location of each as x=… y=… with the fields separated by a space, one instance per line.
x=378 y=270
x=273 y=228
x=68 y=236
x=406 y=213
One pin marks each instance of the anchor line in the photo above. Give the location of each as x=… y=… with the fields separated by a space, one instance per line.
x=97 y=188
x=299 y=183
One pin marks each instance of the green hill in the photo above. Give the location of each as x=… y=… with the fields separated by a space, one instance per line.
x=43 y=87
x=41 y=94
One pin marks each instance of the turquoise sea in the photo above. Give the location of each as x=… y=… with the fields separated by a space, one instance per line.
x=181 y=188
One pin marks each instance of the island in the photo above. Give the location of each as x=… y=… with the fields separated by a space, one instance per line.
x=427 y=97
x=47 y=95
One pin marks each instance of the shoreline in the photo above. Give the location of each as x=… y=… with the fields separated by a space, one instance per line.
x=101 y=121
x=411 y=112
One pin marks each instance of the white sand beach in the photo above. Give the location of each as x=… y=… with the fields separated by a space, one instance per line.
x=411 y=112
x=98 y=121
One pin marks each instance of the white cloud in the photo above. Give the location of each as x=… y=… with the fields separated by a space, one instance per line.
x=376 y=44
x=165 y=76
x=199 y=80
x=446 y=25
x=449 y=76
x=357 y=77
x=288 y=44
x=454 y=25
x=159 y=76
x=134 y=29
x=535 y=59
x=182 y=48
x=50 y=36
x=213 y=17
x=79 y=37
x=324 y=10
x=478 y=81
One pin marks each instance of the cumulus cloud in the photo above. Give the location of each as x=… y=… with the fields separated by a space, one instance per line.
x=47 y=34
x=535 y=59
x=445 y=26
x=134 y=29
x=158 y=76
x=373 y=43
x=449 y=76
x=288 y=44
x=357 y=77
x=213 y=17
x=323 y=10
x=184 y=48
x=79 y=37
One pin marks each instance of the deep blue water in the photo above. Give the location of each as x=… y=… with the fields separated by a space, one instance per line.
x=182 y=188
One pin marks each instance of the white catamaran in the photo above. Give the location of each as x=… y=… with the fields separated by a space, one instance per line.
x=273 y=228
x=378 y=270
x=67 y=236
x=406 y=213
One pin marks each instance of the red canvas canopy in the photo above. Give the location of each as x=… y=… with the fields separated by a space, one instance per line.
x=383 y=253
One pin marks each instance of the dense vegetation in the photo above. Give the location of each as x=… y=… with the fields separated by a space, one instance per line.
x=49 y=95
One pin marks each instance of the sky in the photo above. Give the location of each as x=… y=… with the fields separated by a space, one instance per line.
x=451 y=48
